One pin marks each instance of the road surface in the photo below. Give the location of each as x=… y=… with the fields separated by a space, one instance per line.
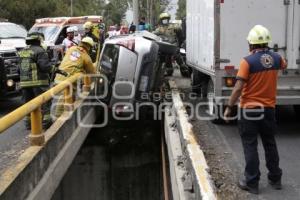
x=223 y=149
x=14 y=140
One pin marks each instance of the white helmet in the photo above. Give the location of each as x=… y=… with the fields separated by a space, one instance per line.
x=259 y=35
x=70 y=30
x=75 y=28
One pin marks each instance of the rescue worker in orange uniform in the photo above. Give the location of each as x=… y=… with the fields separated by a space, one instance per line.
x=257 y=86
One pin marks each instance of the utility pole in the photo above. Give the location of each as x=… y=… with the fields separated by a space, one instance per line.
x=135 y=6
x=71 y=8
x=148 y=11
x=151 y=13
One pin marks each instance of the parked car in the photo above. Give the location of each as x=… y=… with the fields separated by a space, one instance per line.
x=133 y=70
x=12 y=39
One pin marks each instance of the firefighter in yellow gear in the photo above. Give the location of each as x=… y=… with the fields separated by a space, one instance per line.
x=76 y=60
x=97 y=33
x=35 y=69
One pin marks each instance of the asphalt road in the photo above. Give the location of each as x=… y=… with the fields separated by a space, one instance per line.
x=288 y=141
x=14 y=140
x=226 y=138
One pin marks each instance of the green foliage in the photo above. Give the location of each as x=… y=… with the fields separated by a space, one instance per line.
x=181 y=11
x=158 y=6
x=26 y=11
x=115 y=11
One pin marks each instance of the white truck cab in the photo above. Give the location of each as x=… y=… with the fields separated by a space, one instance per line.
x=12 y=39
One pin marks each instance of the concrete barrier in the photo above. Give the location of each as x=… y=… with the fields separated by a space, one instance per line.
x=188 y=168
x=39 y=170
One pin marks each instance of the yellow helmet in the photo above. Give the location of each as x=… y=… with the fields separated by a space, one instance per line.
x=88 y=40
x=88 y=25
x=164 y=16
x=259 y=35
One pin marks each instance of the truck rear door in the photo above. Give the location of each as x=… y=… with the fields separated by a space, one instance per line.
x=238 y=17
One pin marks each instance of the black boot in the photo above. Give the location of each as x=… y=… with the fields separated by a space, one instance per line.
x=276 y=184
x=250 y=188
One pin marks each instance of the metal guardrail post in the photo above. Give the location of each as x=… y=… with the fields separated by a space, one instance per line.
x=37 y=138
x=86 y=84
x=68 y=95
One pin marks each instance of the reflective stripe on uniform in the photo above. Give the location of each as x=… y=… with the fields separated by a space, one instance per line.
x=34 y=83
x=34 y=72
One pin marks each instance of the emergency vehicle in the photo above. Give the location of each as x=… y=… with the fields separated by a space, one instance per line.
x=54 y=29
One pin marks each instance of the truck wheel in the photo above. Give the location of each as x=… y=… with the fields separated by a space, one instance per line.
x=214 y=110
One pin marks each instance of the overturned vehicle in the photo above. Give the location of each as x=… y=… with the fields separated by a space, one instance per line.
x=133 y=71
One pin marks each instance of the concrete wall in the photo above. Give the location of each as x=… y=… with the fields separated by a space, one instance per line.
x=40 y=169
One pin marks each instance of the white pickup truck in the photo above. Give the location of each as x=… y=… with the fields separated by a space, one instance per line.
x=216 y=43
x=12 y=39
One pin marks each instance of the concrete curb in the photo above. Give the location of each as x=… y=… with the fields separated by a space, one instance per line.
x=197 y=167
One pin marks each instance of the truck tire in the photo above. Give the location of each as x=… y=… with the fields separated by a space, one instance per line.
x=215 y=111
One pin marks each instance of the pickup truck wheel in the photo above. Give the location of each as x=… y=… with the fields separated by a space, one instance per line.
x=215 y=111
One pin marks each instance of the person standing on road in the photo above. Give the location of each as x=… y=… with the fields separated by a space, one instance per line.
x=257 y=85
x=35 y=72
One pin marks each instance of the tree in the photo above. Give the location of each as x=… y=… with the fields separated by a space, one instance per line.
x=181 y=11
x=115 y=11
x=26 y=11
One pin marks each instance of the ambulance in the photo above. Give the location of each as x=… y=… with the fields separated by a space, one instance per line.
x=54 y=30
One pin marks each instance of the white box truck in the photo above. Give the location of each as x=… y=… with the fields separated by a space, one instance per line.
x=216 y=43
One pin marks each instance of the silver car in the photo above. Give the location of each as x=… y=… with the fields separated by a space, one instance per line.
x=133 y=70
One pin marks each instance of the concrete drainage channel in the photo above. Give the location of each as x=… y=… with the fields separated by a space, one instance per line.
x=128 y=161
x=118 y=162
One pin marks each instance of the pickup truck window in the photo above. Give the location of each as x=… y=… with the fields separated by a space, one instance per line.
x=50 y=32
x=12 y=31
